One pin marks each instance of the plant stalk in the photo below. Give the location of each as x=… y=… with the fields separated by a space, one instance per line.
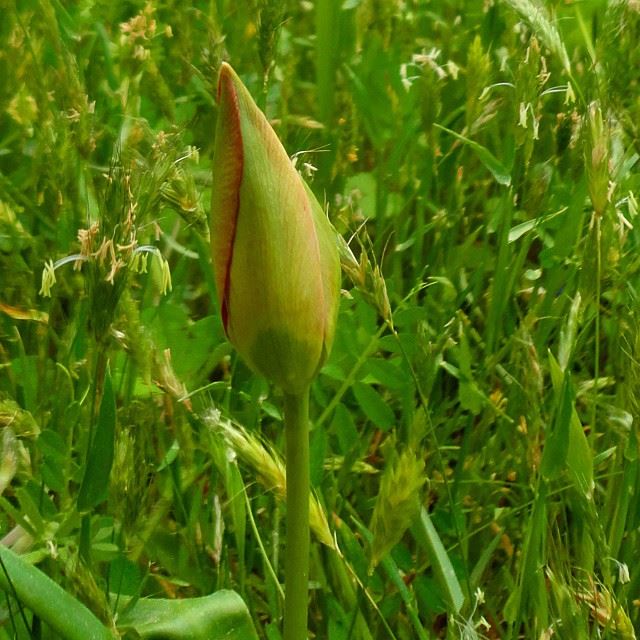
x=296 y=422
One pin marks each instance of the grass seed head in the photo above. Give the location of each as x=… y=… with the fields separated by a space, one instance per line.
x=268 y=467
x=274 y=251
x=397 y=504
x=597 y=144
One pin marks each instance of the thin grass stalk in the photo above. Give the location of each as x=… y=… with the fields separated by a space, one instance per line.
x=84 y=542
x=596 y=355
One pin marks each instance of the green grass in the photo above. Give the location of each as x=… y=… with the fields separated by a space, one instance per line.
x=474 y=440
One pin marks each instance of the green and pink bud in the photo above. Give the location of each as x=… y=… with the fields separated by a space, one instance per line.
x=275 y=254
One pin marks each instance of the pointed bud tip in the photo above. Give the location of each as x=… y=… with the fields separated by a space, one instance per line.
x=226 y=79
x=225 y=69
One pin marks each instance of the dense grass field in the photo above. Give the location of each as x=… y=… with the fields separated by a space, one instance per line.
x=475 y=453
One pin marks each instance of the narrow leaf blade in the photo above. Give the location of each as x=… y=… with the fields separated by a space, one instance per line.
x=427 y=536
x=95 y=482
x=497 y=169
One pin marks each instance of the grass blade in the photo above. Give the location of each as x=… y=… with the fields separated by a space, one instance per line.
x=498 y=170
x=427 y=537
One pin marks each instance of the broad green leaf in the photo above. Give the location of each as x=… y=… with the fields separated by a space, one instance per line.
x=125 y=577
x=95 y=482
x=375 y=408
x=104 y=551
x=30 y=510
x=52 y=446
x=579 y=457
x=557 y=373
x=170 y=455
x=364 y=184
x=470 y=396
x=220 y=616
x=344 y=427
x=386 y=372
x=556 y=445
x=66 y=616
x=54 y=453
x=25 y=369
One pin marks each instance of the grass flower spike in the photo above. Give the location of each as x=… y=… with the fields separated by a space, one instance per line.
x=274 y=251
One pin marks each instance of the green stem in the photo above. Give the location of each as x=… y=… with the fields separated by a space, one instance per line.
x=596 y=364
x=296 y=421
x=84 y=543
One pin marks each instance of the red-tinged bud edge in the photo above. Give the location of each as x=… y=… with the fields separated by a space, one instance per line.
x=226 y=188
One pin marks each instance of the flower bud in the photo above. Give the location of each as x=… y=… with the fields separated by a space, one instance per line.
x=275 y=253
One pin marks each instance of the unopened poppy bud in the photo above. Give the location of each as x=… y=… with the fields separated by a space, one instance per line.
x=275 y=253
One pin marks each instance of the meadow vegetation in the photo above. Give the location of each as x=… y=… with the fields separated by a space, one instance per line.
x=475 y=453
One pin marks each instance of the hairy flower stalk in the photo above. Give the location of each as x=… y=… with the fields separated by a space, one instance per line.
x=277 y=271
